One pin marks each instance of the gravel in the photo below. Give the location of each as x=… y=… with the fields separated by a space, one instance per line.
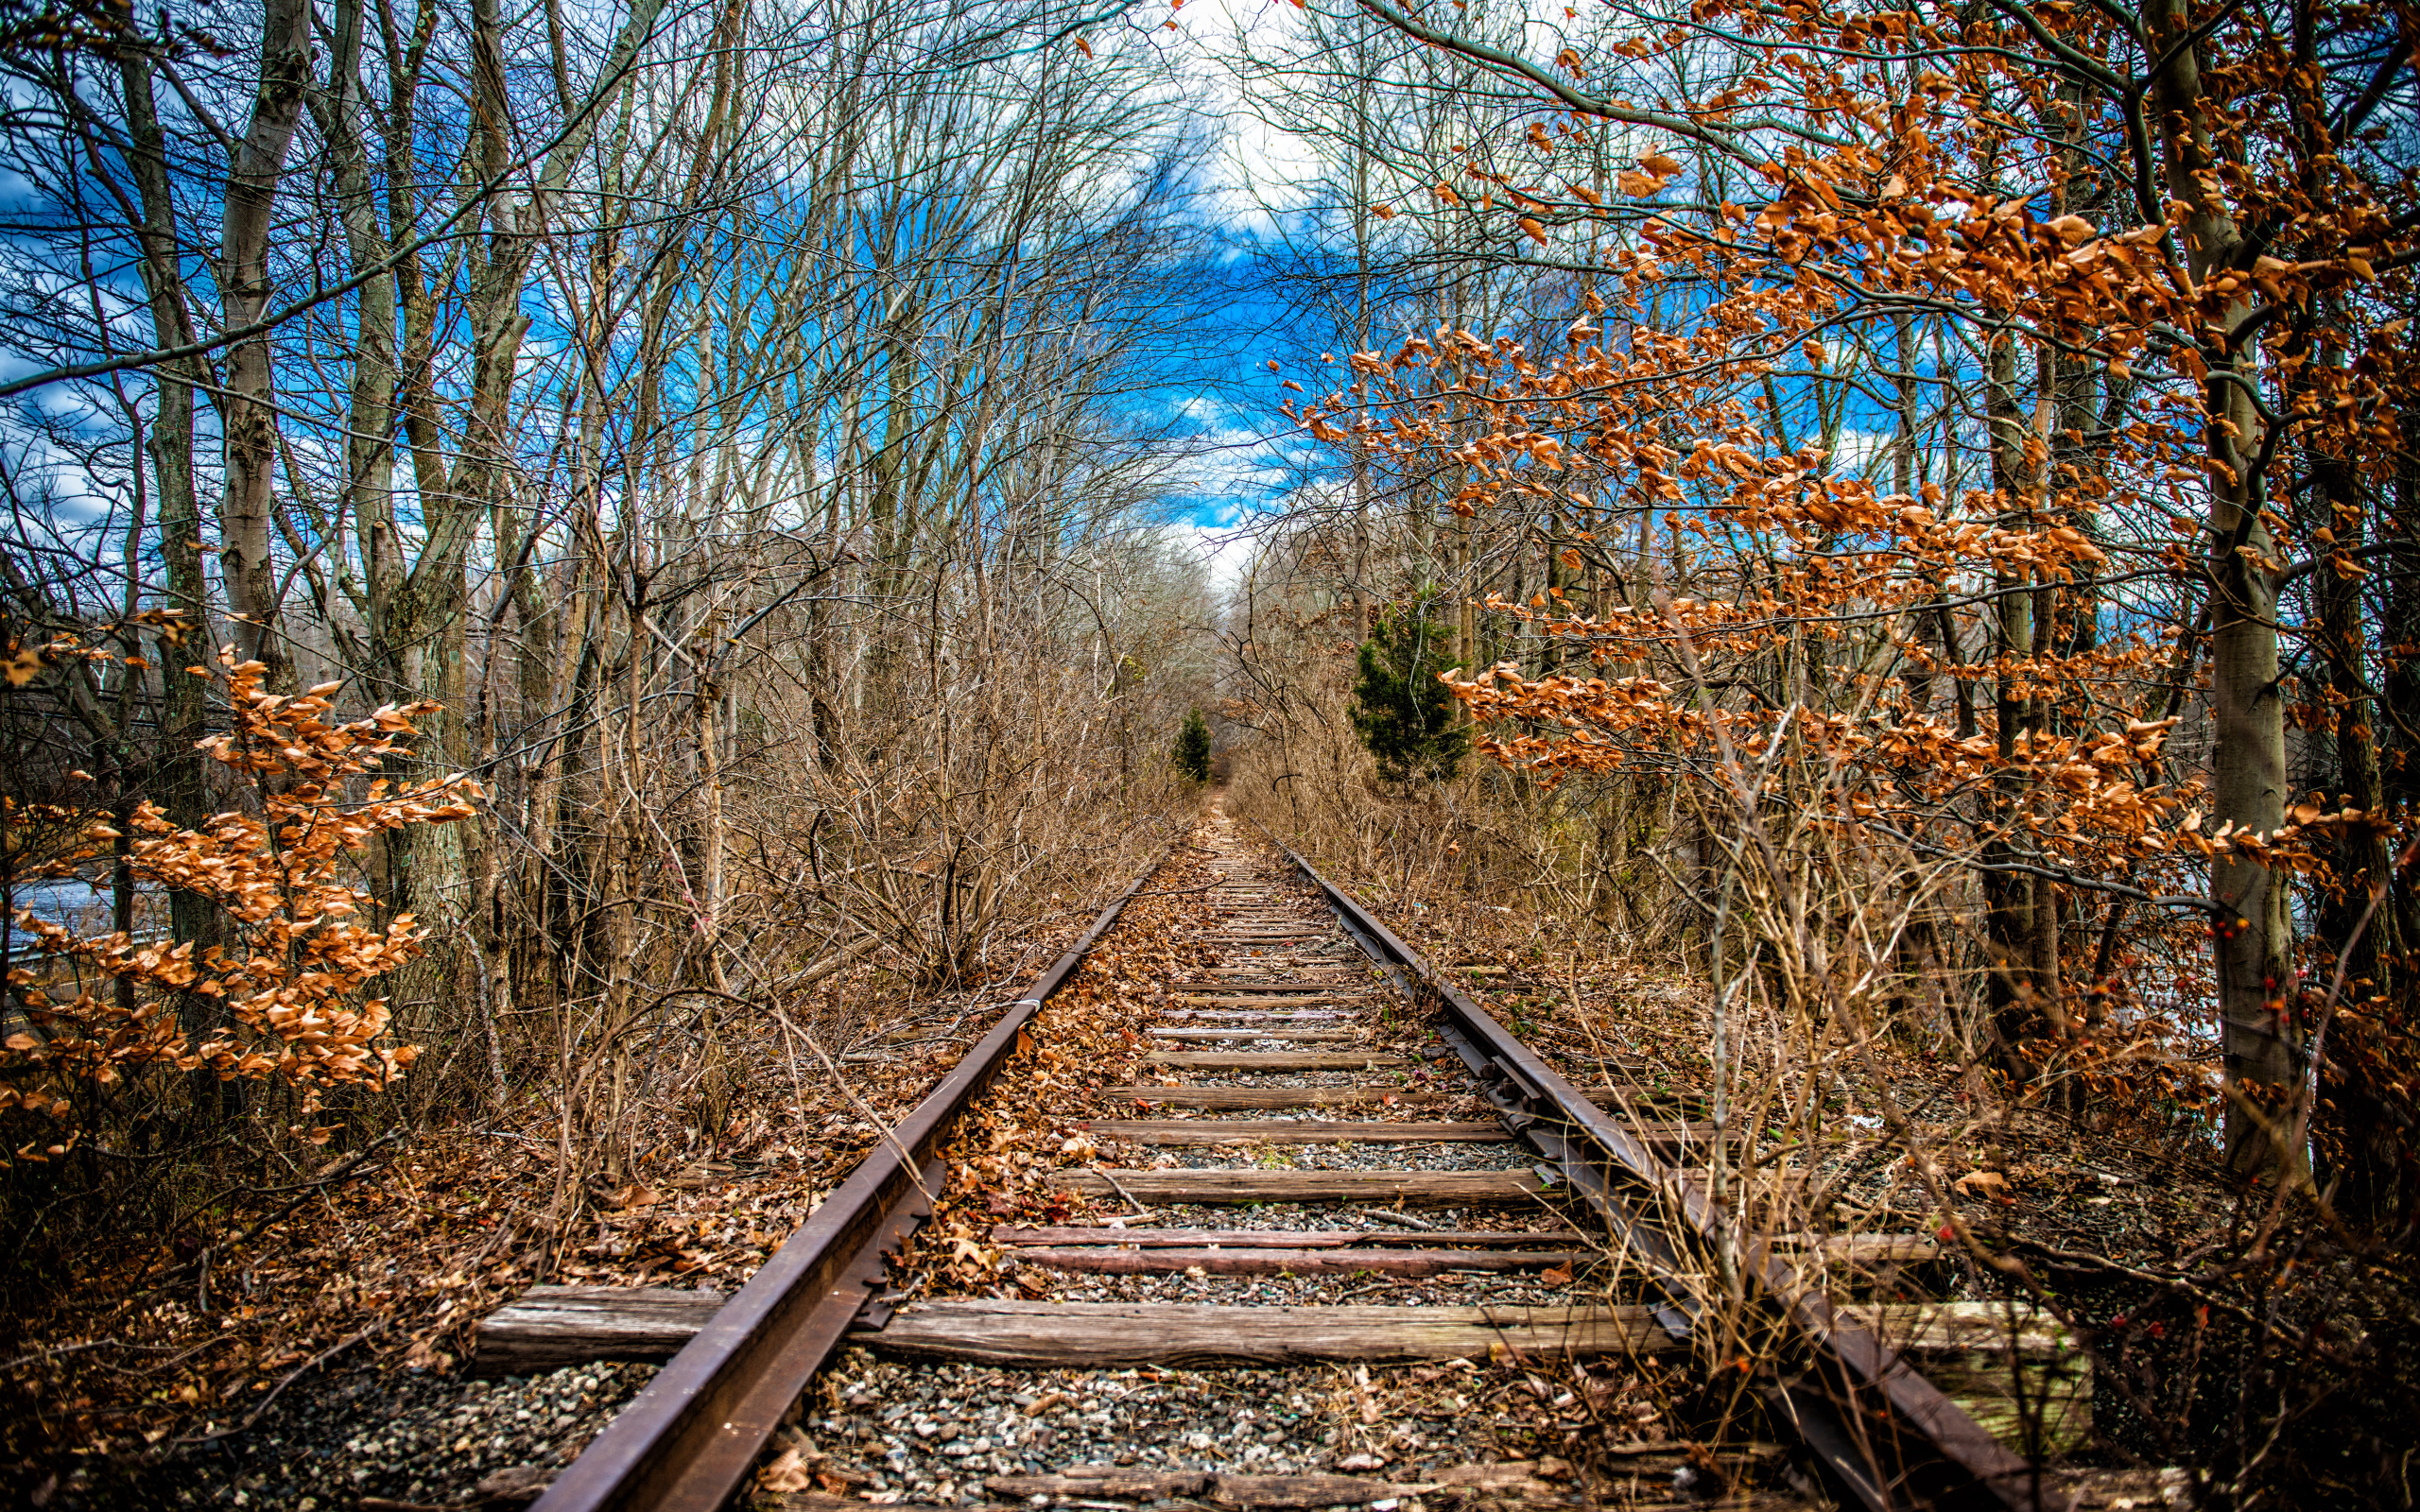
x=936 y=1433
x=1456 y=1157
x=401 y=1435
x=1454 y=1289
x=1329 y=1215
x=1394 y=1078
x=1470 y=1109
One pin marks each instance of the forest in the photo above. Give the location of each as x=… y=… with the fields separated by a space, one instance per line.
x=590 y=588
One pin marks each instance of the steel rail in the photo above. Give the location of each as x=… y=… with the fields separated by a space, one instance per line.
x=686 y=1442
x=1883 y=1431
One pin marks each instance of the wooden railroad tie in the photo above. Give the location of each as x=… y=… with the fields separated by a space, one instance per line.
x=1249 y=995
x=1058 y=1335
x=1220 y=1260
x=1444 y=1189
x=1519 y=1483
x=1963 y=1348
x=1266 y=934
x=1275 y=1059
x=1223 y=978
x=1014 y=1236
x=1271 y=1098
x=1288 y=1014
x=549 y=1327
x=1293 y=1131
x=1254 y=1032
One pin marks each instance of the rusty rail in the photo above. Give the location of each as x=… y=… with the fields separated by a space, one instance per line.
x=685 y=1443
x=1885 y=1432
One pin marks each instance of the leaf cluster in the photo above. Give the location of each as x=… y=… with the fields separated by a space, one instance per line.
x=284 y=994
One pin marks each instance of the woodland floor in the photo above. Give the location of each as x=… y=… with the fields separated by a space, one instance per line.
x=320 y=1359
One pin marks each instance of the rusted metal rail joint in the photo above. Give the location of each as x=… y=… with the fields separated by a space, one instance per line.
x=688 y=1439
x=1886 y=1434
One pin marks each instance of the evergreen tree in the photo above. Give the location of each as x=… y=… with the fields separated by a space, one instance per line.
x=1403 y=714
x=1192 y=755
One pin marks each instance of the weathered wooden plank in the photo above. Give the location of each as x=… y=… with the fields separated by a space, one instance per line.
x=1093 y=1483
x=1272 y=1097
x=1263 y=1003
x=1865 y=1250
x=549 y=1327
x=1293 y=1131
x=1240 y=980
x=1440 y=1188
x=1977 y=1352
x=1124 y=1485
x=1204 y=1486
x=1275 y=1059
x=1999 y=1362
x=1308 y=1016
x=1104 y=1259
x=1137 y=1333
x=1312 y=1036
x=1299 y=978
x=1006 y=1234
x=1281 y=1010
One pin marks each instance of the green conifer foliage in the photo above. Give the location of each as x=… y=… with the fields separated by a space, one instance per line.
x=1192 y=755
x=1403 y=714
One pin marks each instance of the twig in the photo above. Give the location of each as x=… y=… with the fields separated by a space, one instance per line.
x=906 y=1159
x=1401 y=1220
x=1140 y=1209
x=64 y=1349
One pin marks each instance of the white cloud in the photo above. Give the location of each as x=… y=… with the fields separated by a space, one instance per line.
x=1224 y=540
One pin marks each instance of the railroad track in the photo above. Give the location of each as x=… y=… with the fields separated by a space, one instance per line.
x=1317 y=1107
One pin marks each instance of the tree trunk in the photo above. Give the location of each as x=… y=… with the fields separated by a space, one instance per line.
x=183 y=779
x=2251 y=928
x=2013 y=985
x=247 y=408
x=2369 y=1153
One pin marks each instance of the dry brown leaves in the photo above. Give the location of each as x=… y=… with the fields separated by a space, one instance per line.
x=1087 y=1037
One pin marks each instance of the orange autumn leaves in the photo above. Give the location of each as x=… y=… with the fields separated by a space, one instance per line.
x=1912 y=235
x=284 y=996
